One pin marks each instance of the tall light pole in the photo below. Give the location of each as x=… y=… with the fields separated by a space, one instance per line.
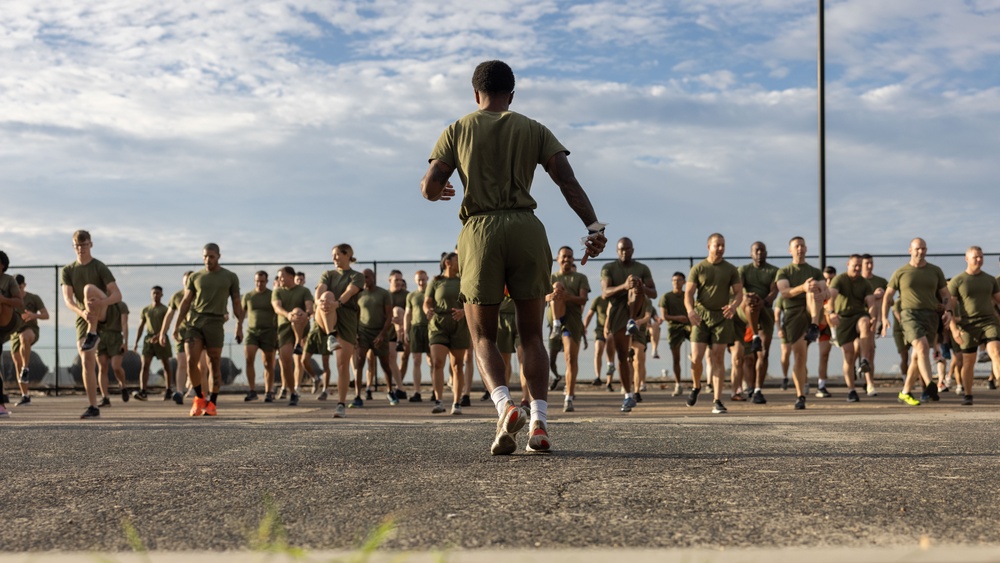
x=821 y=88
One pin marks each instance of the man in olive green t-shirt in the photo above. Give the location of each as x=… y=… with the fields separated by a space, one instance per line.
x=10 y=302
x=803 y=291
x=293 y=305
x=977 y=295
x=570 y=291
x=626 y=284
x=502 y=243
x=711 y=315
x=672 y=311
x=598 y=311
x=261 y=334
x=878 y=284
x=374 y=325
x=21 y=342
x=851 y=308
x=205 y=298
x=924 y=304
x=761 y=290
x=415 y=331
x=151 y=318
x=89 y=289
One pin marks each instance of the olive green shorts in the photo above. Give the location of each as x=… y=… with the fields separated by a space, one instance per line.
x=795 y=323
x=366 y=341
x=160 y=351
x=419 y=343
x=902 y=346
x=347 y=325
x=598 y=332
x=847 y=331
x=446 y=331
x=641 y=339
x=504 y=248
x=12 y=326
x=286 y=334
x=919 y=323
x=316 y=342
x=112 y=344
x=15 y=338
x=739 y=329
x=715 y=328
x=507 y=339
x=765 y=320
x=210 y=329
x=677 y=334
x=979 y=330
x=265 y=339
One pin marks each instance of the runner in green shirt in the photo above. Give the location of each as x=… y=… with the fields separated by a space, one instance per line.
x=672 y=311
x=337 y=314
x=851 y=308
x=570 y=291
x=448 y=331
x=761 y=290
x=415 y=331
x=923 y=295
x=31 y=311
x=598 y=311
x=293 y=304
x=205 y=298
x=878 y=284
x=151 y=318
x=626 y=284
x=803 y=291
x=261 y=334
x=111 y=352
x=399 y=351
x=374 y=327
x=502 y=243
x=181 y=377
x=977 y=295
x=89 y=289
x=711 y=315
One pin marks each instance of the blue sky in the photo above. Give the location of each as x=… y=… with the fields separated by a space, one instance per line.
x=278 y=129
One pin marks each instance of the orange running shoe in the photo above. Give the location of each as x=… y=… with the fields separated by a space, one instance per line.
x=198 y=406
x=210 y=409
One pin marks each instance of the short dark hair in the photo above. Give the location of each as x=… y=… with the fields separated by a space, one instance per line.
x=493 y=77
x=866 y=256
x=288 y=270
x=854 y=257
x=19 y=279
x=158 y=288
x=4 y=261
x=303 y=274
x=212 y=247
x=260 y=273
x=830 y=270
x=681 y=274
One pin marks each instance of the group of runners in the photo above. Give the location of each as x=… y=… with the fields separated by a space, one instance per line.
x=491 y=297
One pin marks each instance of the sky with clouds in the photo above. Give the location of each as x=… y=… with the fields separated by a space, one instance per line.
x=278 y=129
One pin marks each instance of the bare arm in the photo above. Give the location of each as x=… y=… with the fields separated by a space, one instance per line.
x=562 y=174
x=70 y=301
x=182 y=312
x=138 y=332
x=435 y=185
x=162 y=337
x=124 y=330
x=693 y=315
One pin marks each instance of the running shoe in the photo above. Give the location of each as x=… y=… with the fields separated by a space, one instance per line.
x=871 y=391
x=140 y=395
x=610 y=387
x=632 y=328
x=508 y=425
x=678 y=391
x=943 y=388
x=297 y=350
x=322 y=395
x=822 y=393
x=293 y=401
x=466 y=401
x=357 y=403
x=718 y=408
x=91 y=412
x=852 y=396
x=932 y=392
x=25 y=400
x=597 y=382
x=756 y=345
x=198 y=405
x=125 y=395
x=178 y=398
x=967 y=400
x=628 y=404
x=555 y=382
x=908 y=399
x=368 y=395
x=269 y=397
x=438 y=408
x=332 y=344
x=416 y=398
x=758 y=398
x=24 y=375
x=486 y=396
x=456 y=408
x=105 y=402
x=709 y=386
x=538 y=439
x=638 y=397
x=251 y=396
x=341 y=411
x=991 y=385
x=210 y=409
x=400 y=394
x=738 y=396
x=568 y=405
x=692 y=399
x=393 y=400
x=283 y=394
x=800 y=403
x=90 y=342
x=959 y=391
x=784 y=384
x=642 y=387
x=812 y=333
x=167 y=394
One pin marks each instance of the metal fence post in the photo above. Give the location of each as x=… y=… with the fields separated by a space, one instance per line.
x=55 y=269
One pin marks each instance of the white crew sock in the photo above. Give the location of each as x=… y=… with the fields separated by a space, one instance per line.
x=539 y=411
x=500 y=396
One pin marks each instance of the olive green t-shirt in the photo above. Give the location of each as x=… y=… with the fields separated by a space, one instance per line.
x=878 y=282
x=851 y=294
x=495 y=154
x=372 y=303
x=77 y=276
x=574 y=282
x=212 y=291
x=758 y=280
x=291 y=298
x=714 y=282
x=415 y=301
x=445 y=293
x=600 y=308
x=32 y=304
x=153 y=316
x=113 y=321
x=918 y=287
x=9 y=287
x=337 y=282
x=616 y=273
x=796 y=275
x=974 y=293
x=175 y=304
x=673 y=304
x=398 y=298
x=259 y=311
